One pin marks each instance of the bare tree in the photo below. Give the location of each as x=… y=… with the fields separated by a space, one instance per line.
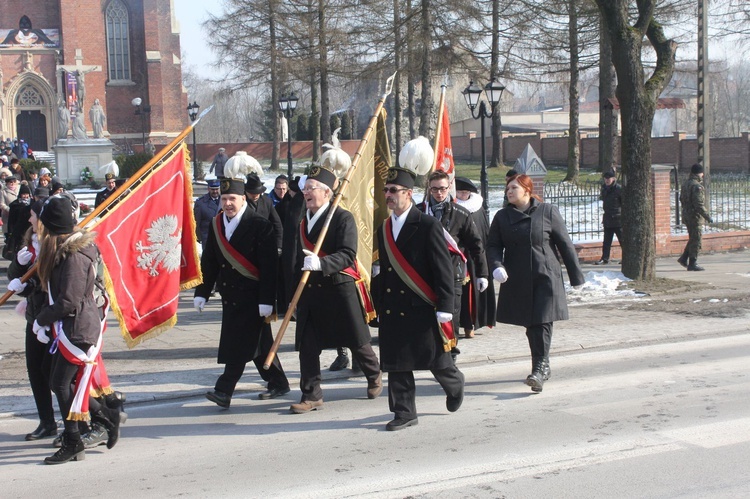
x=637 y=97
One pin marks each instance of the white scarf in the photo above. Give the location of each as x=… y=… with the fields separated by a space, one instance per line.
x=231 y=225
x=312 y=219
x=398 y=221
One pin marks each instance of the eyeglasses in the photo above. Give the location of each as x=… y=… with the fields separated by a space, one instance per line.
x=310 y=189
x=394 y=190
x=438 y=189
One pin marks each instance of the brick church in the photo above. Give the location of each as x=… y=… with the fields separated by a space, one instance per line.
x=55 y=54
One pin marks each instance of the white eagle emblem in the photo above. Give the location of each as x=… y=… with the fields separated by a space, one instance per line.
x=165 y=248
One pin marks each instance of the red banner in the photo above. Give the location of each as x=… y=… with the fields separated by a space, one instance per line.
x=148 y=245
x=444 y=148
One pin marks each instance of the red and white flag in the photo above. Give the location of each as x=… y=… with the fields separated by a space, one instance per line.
x=443 y=146
x=147 y=241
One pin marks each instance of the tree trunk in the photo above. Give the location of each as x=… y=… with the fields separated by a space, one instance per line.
x=574 y=152
x=637 y=107
x=496 y=129
x=426 y=111
x=607 y=123
x=325 y=123
x=315 y=120
x=397 y=55
x=274 y=84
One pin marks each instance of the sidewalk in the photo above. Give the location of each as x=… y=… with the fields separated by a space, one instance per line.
x=182 y=362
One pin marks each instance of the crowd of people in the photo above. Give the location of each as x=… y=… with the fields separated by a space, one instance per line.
x=432 y=279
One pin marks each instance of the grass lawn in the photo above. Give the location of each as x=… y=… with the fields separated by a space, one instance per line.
x=496 y=176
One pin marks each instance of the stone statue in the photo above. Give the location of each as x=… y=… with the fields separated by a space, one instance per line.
x=81 y=88
x=63 y=119
x=98 y=119
x=79 y=126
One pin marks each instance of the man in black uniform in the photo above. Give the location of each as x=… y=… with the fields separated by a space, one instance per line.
x=110 y=180
x=456 y=220
x=414 y=302
x=240 y=255
x=329 y=313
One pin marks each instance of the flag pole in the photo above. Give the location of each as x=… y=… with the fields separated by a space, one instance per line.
x=122 y=190
x=438 y=131
x=336 y=200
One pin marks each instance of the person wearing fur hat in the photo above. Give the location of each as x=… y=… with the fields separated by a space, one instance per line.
x=414 y=300
x=240 y=257
x=692 y=199
x=67 y=272
x=477 y=308
x=111 y=186
x=331 y=283
x=457 y=221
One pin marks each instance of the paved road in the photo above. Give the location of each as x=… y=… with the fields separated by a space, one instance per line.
x=658 y=420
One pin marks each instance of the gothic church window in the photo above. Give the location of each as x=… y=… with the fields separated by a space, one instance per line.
x=118 y=40
x=29 y=96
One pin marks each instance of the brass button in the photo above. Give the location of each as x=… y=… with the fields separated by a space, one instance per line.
x=320 y=285
x=402 y=292
x=387 y=311
x=309 y=285
x=401 y=314
x=390 y=269
x=388 y=290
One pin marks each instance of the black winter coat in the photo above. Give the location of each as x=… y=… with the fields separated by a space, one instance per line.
x=611 y=196
x=72 y=288
x=409 y=335
x=330 y=302
x=528 y=245
x=241 y=322
x=264 y=208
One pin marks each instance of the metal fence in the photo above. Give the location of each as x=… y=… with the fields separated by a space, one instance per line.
x=729 y=205
x=579 y=206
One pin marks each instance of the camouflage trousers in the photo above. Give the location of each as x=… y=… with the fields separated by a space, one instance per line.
x=693 y=246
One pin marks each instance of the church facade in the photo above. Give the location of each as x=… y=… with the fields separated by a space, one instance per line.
x=58 y=56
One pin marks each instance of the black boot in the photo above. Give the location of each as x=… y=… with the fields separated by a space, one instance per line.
x=693 y=265
x=110 y=419
x=72 y=449
x=683 y=260
x=546 y=371
x=536 y=379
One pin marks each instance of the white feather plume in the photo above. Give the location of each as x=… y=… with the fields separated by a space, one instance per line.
x=110 y=167
x=417 y=155
x=240 y=165
x=335 y=158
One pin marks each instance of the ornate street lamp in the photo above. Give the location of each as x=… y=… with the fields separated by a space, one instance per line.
x=288 y=104
x=142 y=110
x=473 y=93
x=192 y=110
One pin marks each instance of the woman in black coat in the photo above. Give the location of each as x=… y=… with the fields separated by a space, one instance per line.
x=527 y=239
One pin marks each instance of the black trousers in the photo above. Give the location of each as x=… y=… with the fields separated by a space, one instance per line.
x=402 y=390
x=274 y=377
x=540 y=339
x=607 y=243
x=62 y=376
x=309 y=363
x=458 y=287
x=38 y=363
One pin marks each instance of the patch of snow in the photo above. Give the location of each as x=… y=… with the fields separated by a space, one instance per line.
x=601 y=287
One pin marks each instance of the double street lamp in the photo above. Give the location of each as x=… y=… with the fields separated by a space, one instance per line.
x=192 y=110
x=141 y=110
x=473 y=94
x=287 y=104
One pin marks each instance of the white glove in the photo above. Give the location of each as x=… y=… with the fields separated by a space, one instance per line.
x=199 y=303
x=444 y=317
x=375 y=270
x=23 y=256
x=312 y=261
x=41 y=332
x=265 y=310
x=482 y=284
x=16 y=285
x=500 y=275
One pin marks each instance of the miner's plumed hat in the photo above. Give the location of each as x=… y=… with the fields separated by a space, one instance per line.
x=232 y=186
x=322 y=175
x=401 y=176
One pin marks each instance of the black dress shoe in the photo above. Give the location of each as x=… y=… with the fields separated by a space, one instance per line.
x=401 y=423
x=454 y=403
x=44 y=430
x=272 y=393
x=341 y=362
x=219 y=398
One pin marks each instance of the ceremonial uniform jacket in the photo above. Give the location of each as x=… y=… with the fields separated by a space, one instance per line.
x=330 y=301
x=409 y=332
x=103 y=195
x=204 y=210
x=457 y=221
x=527 y=244
x=240 y=296
x=265 y=209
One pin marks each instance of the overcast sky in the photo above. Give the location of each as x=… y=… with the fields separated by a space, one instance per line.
x=190 y=14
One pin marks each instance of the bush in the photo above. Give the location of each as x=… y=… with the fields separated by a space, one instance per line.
x=29 y=164
x=129 y=165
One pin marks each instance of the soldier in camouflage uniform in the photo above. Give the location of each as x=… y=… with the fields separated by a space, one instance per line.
x=693 y=209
